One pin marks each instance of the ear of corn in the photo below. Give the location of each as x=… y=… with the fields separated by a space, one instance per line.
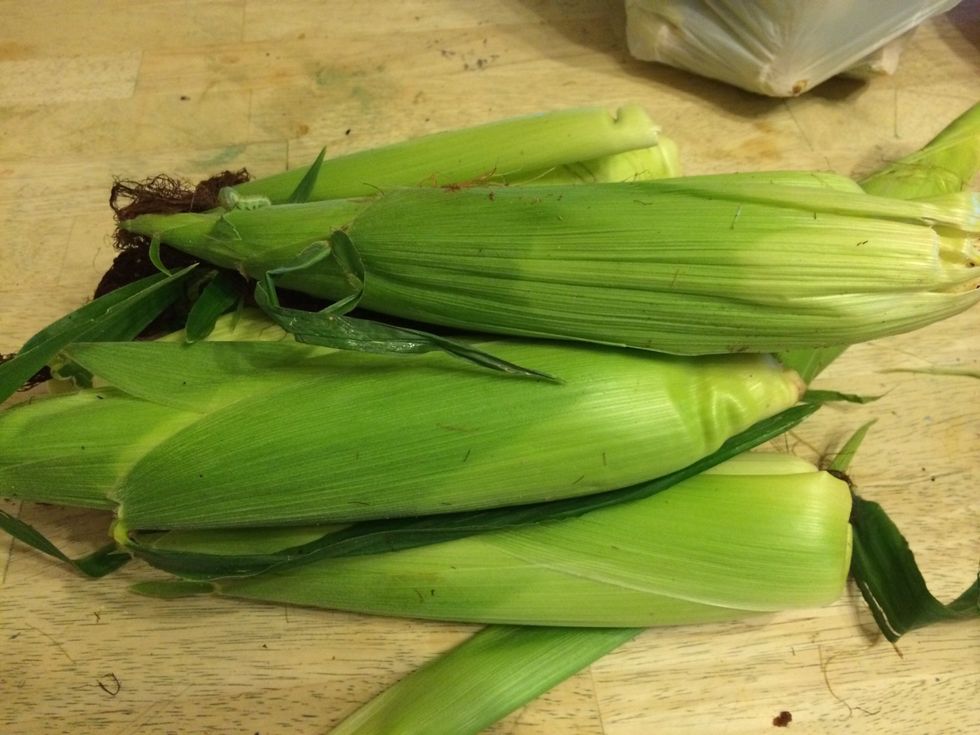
x=244 y=433
x=718 y=546
x=689 y=265
x=514 y=150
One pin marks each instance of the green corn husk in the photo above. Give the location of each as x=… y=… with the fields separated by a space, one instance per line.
x=661 y=161
x=237 y=433
x=753 y=535
x=480 y=681
x=565 y=146
x=696 y=265
x=945 y=165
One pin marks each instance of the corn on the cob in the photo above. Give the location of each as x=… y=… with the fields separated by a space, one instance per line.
x=753 y=535
x=556 y=147
x=266 y=432
x=694 y=265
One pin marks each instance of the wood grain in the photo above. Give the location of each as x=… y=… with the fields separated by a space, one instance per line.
x=92 y=91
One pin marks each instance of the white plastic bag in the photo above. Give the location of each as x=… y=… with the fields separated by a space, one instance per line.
x=780 y=48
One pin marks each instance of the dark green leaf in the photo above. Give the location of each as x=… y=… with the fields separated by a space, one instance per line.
x=304 y=189
x=220 y=295
x=373 y=537
x=119 y=315
x=884 y=568
x=331 y=328
x=92 y=309
x=829 y=396
x=171 y=589
x=97 y=564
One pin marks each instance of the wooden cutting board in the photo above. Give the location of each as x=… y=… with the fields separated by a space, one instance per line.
x=92 y=91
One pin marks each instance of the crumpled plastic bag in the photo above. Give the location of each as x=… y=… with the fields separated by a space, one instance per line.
x=780 y=48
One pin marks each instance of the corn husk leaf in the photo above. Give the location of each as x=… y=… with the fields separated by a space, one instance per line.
x=890 y=581
x=482 y=680
x=220 y=295
x=332 y=327
x=945 y=165
x=884 y=568
x=119 y=315
x=828 y=396
x=99 y=563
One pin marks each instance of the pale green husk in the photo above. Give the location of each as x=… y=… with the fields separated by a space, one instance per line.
x=722 y=545
x=227 y=433
x=694 y=265
x=481 y=680
x=564 y=146
x=945 y=165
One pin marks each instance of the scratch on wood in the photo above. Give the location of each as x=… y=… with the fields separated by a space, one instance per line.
x=799 y=127
x=895 y=113
x=53 y=640
x=6 y=563
x=596 y=700
x=136 y=725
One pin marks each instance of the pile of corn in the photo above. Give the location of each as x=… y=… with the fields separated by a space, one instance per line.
x=616 y=323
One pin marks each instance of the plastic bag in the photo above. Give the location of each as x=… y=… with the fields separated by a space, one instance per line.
x=780 y=48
